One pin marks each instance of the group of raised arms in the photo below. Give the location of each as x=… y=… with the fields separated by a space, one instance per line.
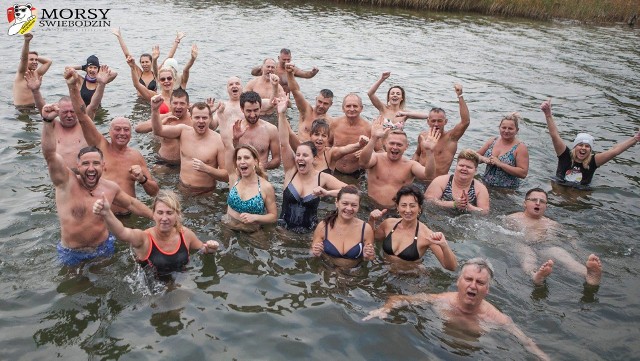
x=326 y=156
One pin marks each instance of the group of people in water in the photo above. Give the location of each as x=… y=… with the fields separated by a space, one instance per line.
x=230 y=141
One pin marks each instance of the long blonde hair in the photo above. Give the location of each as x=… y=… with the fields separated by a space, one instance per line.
x=585 y=162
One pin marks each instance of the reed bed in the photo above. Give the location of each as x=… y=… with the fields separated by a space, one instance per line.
x=598 y=11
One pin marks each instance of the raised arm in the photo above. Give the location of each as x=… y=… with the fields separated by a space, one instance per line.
x=104 y=77
x=274 y=148
x=166 y=131
x=155 y=54
x=34 y=81
x=440 y=248
x=24 y=54
x=367 y=160
x=558 y=144
x=174 y=47
x=142 y=90
x=227 y=132
x=45 y=64
x=602 y=158
x=187 y=67
x=374 y=88
x=374 y=217
x=457 y=131
x=427 y=171
x=287 y=153
x=89 y=130
x=58 y=171
x=123 y=46
x=256 y=70
x=413 y=115
x=140 y=173
x=336 y=153
x=301 y=103
x=135 y=237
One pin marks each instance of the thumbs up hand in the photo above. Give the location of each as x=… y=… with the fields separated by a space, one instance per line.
x=101 y=206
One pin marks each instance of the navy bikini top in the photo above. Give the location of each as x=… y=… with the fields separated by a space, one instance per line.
x=354 y=253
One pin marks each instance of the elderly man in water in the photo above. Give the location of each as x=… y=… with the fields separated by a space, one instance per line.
x=535 y=225
x=466 y=308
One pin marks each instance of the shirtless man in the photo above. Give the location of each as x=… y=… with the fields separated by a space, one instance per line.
x=467 y=308
x=281 y=71
x=124 y=165
x=390 y=170
x=347 y=129
x=267 y=85
x=83 y=235
x=260 y=134
x=232 y=108
x=308 y=113
x=169 y=152
x=201 y=149
x=22 y=96
x=533 y=222
x=447 y=146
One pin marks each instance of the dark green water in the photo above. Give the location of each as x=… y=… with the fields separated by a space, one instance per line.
x=266 y=298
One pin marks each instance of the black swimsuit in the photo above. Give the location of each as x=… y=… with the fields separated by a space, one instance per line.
x=408 y=254
x=326 y=170
x=163 y=263
x=152 y=84
x=86 y=93
x=299 y=214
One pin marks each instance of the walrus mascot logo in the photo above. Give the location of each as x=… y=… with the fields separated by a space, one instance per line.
x=22 y=18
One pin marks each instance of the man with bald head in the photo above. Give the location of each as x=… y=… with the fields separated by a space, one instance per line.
x=284 y=58
x=347 y=129
x=123 y=165
x=267 y=84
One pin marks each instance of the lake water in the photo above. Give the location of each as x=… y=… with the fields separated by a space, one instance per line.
x=267 y=298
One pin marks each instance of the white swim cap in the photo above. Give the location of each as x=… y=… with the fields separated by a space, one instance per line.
x=583 y=138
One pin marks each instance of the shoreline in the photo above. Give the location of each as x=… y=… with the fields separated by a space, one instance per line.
x=587 y=11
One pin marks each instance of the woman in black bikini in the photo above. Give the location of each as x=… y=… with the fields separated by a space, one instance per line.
x=144 y=72
x=406 y=239
x=304 y=185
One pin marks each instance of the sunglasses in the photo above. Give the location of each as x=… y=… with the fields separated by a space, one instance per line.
x=169 y=78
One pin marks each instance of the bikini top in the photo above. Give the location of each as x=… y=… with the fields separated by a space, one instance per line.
x=354 y=253
x=253 y=205
x=326 y=170
x=152 y=84
x=447 y=193
x=410 y=253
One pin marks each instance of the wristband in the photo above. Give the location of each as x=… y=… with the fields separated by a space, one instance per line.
x=47 y=120
x=145 y=179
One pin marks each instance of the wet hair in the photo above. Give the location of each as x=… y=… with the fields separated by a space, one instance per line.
x=199 y=105
x=330 y=219
x=469 y=154
x=537 y=189
x=401 y=91
x=34 y=52
x=146 y=55
x=480 y=263
x=409 y=190
x=250 y=97
x=318 y=125
x=438 y=110
x=171 y=200
x=179 y=93
x=585 y=162
x=285 y=51
x=326 y=93
x=254 y=154
x=312 y=146
x=90 y=149
x=514 y=117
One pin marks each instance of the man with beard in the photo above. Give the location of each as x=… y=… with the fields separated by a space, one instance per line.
x=169 y=152
x=84 y=235
x=308 y=113
x=390 y=170
x=22 y=96
x=260 y=134
x=280 y=70
x=536 y=227
x=201 y=149
x=347 y=129
x=467 y=308
x=267 y=85
x=447 y=146
x=124 y=165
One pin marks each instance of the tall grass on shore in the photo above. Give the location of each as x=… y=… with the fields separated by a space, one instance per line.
x=601 y=11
